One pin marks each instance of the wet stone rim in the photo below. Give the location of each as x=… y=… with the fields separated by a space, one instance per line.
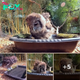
x=44 y=40
x=39 y=74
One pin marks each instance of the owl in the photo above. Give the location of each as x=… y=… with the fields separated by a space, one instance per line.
x=9 y=61
x=40 y=25
x=40 y=67
x=66 y=65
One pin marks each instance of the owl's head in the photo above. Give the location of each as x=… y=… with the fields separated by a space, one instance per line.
x=36 y=22
x=41 y=68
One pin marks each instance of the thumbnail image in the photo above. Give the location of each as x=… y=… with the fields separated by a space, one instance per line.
x=66 y=66
x=40 y=26
x=13 y=67
x=40 y=67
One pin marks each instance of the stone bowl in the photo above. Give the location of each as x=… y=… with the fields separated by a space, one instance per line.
x=45 y=45
x=39 y=76
x=17 y=73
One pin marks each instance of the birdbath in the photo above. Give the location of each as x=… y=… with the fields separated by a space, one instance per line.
x=39 y=76
x=45 y=39
x=18 y=72
x=45 y=45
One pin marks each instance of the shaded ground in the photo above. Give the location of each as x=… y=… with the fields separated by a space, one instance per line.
x=2 y=70
x=8 y=46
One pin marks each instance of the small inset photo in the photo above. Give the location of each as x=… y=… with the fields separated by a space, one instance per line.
x=40 y=67
x=66 y=66
x=12 y=67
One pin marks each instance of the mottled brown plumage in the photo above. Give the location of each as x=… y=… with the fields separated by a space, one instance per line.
x=40 y=25
x=39 y=67
x=68 y=63
x=9 y=61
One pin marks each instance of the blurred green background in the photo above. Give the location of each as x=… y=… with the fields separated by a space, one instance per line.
x=13 y=21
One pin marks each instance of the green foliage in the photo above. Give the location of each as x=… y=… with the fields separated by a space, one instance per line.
x=75 y=58
x=48 y=58
x=62 y=35
x=59 y=14
x=23 y=36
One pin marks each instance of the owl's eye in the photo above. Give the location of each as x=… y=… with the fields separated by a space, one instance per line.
x=35 y=24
